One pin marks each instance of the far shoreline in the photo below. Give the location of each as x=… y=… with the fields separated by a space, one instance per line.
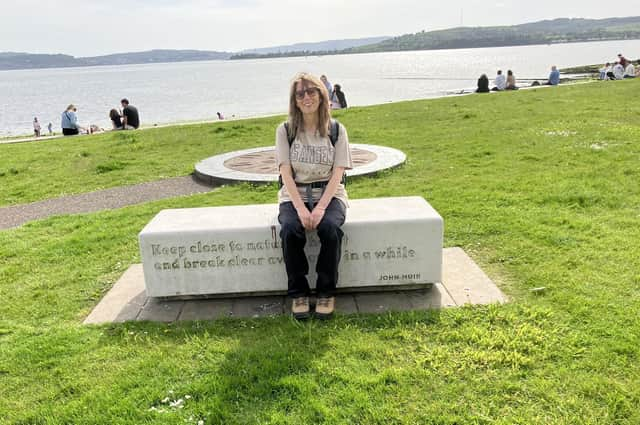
x=576 y=78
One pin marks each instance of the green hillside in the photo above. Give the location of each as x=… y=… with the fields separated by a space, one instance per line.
x=543 y=32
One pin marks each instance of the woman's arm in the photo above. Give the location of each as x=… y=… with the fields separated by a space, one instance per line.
x=329 y=191
x=290 y=185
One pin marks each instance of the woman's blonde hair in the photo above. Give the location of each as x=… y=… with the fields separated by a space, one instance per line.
x=70 y=107
x=295 y=114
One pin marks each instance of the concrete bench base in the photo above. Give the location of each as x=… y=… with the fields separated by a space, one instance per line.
x=463 y=282
x=236 y=250
x=283 y=292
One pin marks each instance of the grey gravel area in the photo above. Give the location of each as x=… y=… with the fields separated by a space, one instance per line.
x=116 y=197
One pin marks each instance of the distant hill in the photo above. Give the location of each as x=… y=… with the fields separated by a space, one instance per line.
x=543 y=32
x=12 y=60
x=154 y=56
x=560 y=30
x=328 y=45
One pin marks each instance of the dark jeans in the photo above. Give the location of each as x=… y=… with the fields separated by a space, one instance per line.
x=294 y=238
x=70 y=131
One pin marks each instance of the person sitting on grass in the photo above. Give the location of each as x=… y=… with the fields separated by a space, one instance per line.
x=603 y=71
x=116 y=119
x=511 y=81
x=500 y=82
x=312 y=154
x=130 y=117
x=554 y=77
x=630 y=71
x=618 y=71
x=338 y=99
x=483 y=84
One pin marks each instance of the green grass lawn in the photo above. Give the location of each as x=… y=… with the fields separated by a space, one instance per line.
x=540 y=187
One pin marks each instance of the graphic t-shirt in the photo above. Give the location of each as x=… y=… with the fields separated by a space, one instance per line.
x=312 y=158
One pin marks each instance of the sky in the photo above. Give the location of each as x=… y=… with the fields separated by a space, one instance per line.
x=98 y=27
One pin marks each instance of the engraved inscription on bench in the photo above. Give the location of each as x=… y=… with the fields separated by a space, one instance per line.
x=223 y=250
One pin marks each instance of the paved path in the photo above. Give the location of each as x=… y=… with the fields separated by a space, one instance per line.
x=116 y=197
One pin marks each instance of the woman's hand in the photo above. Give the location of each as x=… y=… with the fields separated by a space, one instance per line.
x=305 y=218
x=316 y=216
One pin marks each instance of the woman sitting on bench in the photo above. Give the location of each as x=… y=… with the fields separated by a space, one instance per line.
x=312 y=154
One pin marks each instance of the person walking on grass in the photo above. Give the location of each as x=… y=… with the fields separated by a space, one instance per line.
x=312 y=154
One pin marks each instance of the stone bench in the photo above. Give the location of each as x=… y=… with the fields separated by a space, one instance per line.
x=389 y=243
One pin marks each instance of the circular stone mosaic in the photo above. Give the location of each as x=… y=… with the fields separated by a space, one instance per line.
x=258 y=165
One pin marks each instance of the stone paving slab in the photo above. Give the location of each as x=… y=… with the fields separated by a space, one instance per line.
x=258 y=306
x=156 y=310
x=466 y=282
x=346 y=304
x=437 y=297
x=124 y=301
x=383 y=302
x=206 y=309
x=463 y=283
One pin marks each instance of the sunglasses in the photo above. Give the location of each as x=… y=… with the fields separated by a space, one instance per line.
x=311 y=91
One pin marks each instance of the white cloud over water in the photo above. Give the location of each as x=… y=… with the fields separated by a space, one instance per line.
x=95 y=27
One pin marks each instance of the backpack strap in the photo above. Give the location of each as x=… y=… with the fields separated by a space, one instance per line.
x=334 y=132
x=290 y=137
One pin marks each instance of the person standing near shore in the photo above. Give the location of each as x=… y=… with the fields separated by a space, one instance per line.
x=50 y=128
x=622 y=60
x=36 y=127
x=69 y=121
x=327 y=84
x=130 y=117
x=312 y=154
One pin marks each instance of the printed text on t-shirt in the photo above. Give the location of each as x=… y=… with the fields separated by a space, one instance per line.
x=312 y=154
